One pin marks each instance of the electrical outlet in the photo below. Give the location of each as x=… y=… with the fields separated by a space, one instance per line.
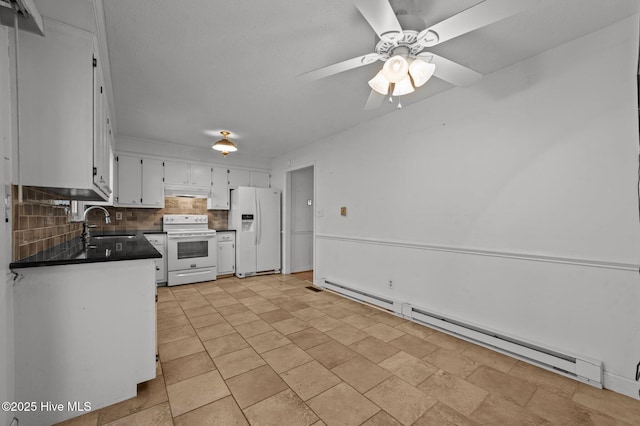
x=390 y=285
x=118 y=215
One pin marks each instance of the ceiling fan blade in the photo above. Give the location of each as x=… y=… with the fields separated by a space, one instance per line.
x=451 y=72
x=339 y=67
x=478 y=16
x=374 y=100
x=381 y=17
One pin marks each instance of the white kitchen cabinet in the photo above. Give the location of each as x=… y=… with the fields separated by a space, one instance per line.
x=159 y=242
x=239 y=177
x=58 y=85
x=226 y=253
x=260 y=179
x=219 y=199
x=139 y=182
x=200 y=175
x=176 y=173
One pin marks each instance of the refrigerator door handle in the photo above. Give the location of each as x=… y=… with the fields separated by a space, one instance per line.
x=255 y=202
x=259 y=224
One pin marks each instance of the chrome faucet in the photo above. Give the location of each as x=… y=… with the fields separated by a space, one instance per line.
x=85 y=227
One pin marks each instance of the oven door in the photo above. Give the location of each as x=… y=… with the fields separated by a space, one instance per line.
x=191 y=251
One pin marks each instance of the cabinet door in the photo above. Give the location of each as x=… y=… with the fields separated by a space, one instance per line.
x=239 y=177
x=99 y=125
x=200 y=175
x=152 y=189
x=220 y=191
x=176 y=173
x=260 y=179
x=107 y=149
x=129 y=178
x=226 y=258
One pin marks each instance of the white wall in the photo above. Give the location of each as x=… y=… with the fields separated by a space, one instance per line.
x=6 y=290
x=511 y=204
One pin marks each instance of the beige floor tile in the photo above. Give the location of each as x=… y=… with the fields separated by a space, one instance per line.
x=563 y=411
x=187 y=367
x=179 y=348
x=220 y=301
x=89 y=419
x=253 y=328
x=169 y=312
x=448 y=342
x=289 y=326
x=499 y=383
x=224 y=411
x=413 y=345
x=417 y=330
x=388 y=319
x=159 y=415
x=338 y=311
x=242 y=294
x=453 y=391
x=175 y=333
x=308 y=338
x=347 y=334
x=231 y=309
x=409 y=368
x=170 y=322
x=382 y=418
x=359 y=321
x=361 y=373
x=149 y=394
x=255 y=385
x=495 y=410
x=254 y=300
x=442 y=415
x=173 y=303
x=260 y=308
x=374 y=349
x=216 y=330
x=206 y=320
x=194 y=303
x=310 y=379
x=275 y=316
x=544 y=379
x=453 y=362
x=331 y=354
x=404 y=402
x=195 y=392
x=342 y=405
x=325 y=323
x=225 y=345
x=284 y=405
x=241 y=318
x=268 y=341
x=286 y=358
x=307 y=314
x=238 y=362
x=383 y=332
x=610 y=403
x=490 y=358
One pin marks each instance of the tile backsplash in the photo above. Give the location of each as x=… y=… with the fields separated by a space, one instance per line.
x=43 y=219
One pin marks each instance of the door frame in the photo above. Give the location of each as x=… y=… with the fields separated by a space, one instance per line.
x=286 y=218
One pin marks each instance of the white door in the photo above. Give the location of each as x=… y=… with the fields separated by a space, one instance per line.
x=129 y=182
x=268 y=230
x=302 y=220
x=238 y=177
x=244 y=206
x=200 y=175
x=220 y=190
x=176 y=173
x=152 y=193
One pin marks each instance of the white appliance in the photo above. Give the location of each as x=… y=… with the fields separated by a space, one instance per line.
x=191 y=248
x=255 y=216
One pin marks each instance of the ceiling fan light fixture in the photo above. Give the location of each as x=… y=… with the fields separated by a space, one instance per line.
x=403 y=87
x=379 y=83
x=421 y=72
x=395 y=69
x=224 y=145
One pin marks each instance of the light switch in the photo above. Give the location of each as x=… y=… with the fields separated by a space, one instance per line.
x=308 y=202
x=118 y=215
x=343 y=211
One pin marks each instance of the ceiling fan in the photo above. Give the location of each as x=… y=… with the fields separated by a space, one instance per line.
x=407 y=65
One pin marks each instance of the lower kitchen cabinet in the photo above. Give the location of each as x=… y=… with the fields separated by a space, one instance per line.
x=159 y=242
x=226 y=252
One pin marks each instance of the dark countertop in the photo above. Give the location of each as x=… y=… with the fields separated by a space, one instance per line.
x=225 y=230
x=123 y=245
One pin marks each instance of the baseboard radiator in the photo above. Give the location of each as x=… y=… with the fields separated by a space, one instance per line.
x=586 y=370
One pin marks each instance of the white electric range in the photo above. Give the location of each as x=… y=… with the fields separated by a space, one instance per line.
x=191 y=249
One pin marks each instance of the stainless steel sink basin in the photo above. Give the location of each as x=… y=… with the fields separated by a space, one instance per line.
x=112 y=237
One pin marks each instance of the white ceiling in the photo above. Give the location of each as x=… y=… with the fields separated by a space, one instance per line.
x=180 y=68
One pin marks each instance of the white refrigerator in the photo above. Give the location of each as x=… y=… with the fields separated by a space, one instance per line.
x=255 y=216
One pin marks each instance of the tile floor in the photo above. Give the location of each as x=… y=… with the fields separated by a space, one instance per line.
x=268 y=351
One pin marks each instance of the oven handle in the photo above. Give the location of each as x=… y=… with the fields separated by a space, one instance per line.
x=201 y=236
x=186 y=274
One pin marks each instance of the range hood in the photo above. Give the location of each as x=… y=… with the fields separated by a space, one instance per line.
x=29 y=19
x=187 y=191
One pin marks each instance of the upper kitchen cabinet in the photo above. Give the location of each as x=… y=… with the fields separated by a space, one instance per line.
x=62 y=114
x=239 y=177
x=178 y=173
x=219 y=199
x=139 y=182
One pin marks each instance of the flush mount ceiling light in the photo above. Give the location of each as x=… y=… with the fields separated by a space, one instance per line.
x=224 y=145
